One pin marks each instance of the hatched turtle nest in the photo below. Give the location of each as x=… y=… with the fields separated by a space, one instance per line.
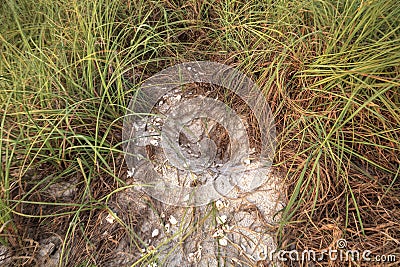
x=190 y=142
x=238 y=229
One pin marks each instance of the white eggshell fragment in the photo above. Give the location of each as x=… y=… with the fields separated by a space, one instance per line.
x=155 y=233
x=172 y=220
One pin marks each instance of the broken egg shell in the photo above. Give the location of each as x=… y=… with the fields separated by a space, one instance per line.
x=155 y=233
x=131 y=172
x=223 y=242
x=219 y=205
x=167 y=228
x=172 y=220
x=110 y=219
x=247 y=161
x=222 y=219
x=154 y=142
x=218 y=233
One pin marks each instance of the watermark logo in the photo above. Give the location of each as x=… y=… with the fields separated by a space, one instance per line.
x=341 y=244
x=136 y=134
x=341 y=253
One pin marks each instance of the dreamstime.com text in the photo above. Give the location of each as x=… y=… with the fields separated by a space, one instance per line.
x=339 y=254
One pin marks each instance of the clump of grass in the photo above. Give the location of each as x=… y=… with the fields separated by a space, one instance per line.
x=330 y=71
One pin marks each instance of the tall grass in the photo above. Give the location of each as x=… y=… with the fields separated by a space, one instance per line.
x=330 y=71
